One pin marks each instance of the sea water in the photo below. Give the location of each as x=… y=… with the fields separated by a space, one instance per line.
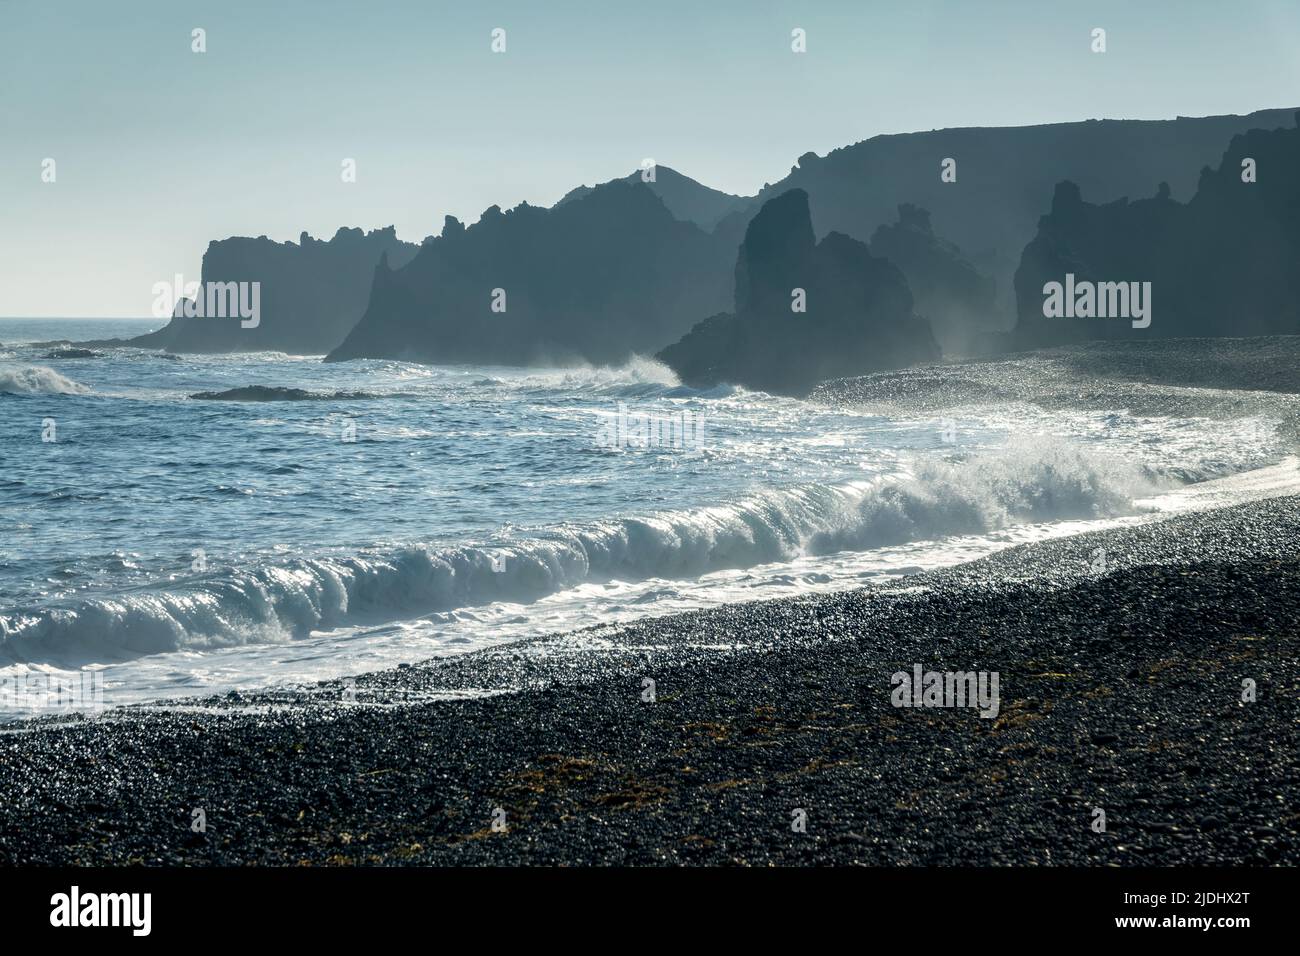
x=347 y=517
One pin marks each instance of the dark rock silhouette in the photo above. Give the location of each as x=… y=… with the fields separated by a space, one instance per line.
x=859 y=311
x=434 y=309
x=1222 y=264
x=600 y=277
x=312 y=292
x=278 y=393
x=955 y=296
x=685 y=198
x=1005 y=178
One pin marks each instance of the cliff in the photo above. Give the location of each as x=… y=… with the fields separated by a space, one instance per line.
x=311 y=292
x=619 y=268
x=1004 y=178
x=604 y=275
x=857 y=311
x=686 y=199
x=1221 y=264
x=957 y=298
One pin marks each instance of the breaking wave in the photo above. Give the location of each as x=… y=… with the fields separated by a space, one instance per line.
x=638 y=377
x=1028 y=482
x=37 y=380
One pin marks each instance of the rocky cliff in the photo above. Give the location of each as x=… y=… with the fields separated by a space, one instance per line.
x=1004 y=178
x=804 y=311
x=1222 y=264
x=957 y=298
x=605 y=275
x=311 y=292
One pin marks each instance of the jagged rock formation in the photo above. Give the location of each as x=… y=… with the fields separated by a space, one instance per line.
x=1005 y=178
x=1222 y=264
x=605 y=275
x=858 y=314
x=955 y=296
x=312 y=292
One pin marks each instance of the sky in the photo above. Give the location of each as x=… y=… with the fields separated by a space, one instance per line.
x=159 y=149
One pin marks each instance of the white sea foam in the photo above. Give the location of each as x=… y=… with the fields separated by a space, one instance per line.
x=477 y=506
x=1025 y=482
x=37 y=380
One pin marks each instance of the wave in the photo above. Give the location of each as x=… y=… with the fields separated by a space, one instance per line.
x=37 y=380
x=1032 y=480
x=638 y=376
x=1027 y=482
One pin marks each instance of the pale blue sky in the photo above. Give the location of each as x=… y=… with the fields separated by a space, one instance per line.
x=159 y=149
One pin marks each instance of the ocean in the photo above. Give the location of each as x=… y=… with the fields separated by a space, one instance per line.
x=343 y=518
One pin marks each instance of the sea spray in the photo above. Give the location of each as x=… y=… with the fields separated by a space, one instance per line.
x=36 y=380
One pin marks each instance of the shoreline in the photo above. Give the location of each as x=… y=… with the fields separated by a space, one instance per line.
x=1120 y=689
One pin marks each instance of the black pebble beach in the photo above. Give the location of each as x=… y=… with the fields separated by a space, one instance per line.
x=1120 y=691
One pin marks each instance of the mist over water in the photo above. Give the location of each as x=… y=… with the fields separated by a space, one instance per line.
x=341 y=518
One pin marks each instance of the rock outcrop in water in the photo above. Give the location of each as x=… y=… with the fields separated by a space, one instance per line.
x=857 y=315
x=605 y=275
x=952 y=293
x=312 y=292
x=1222 y=264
